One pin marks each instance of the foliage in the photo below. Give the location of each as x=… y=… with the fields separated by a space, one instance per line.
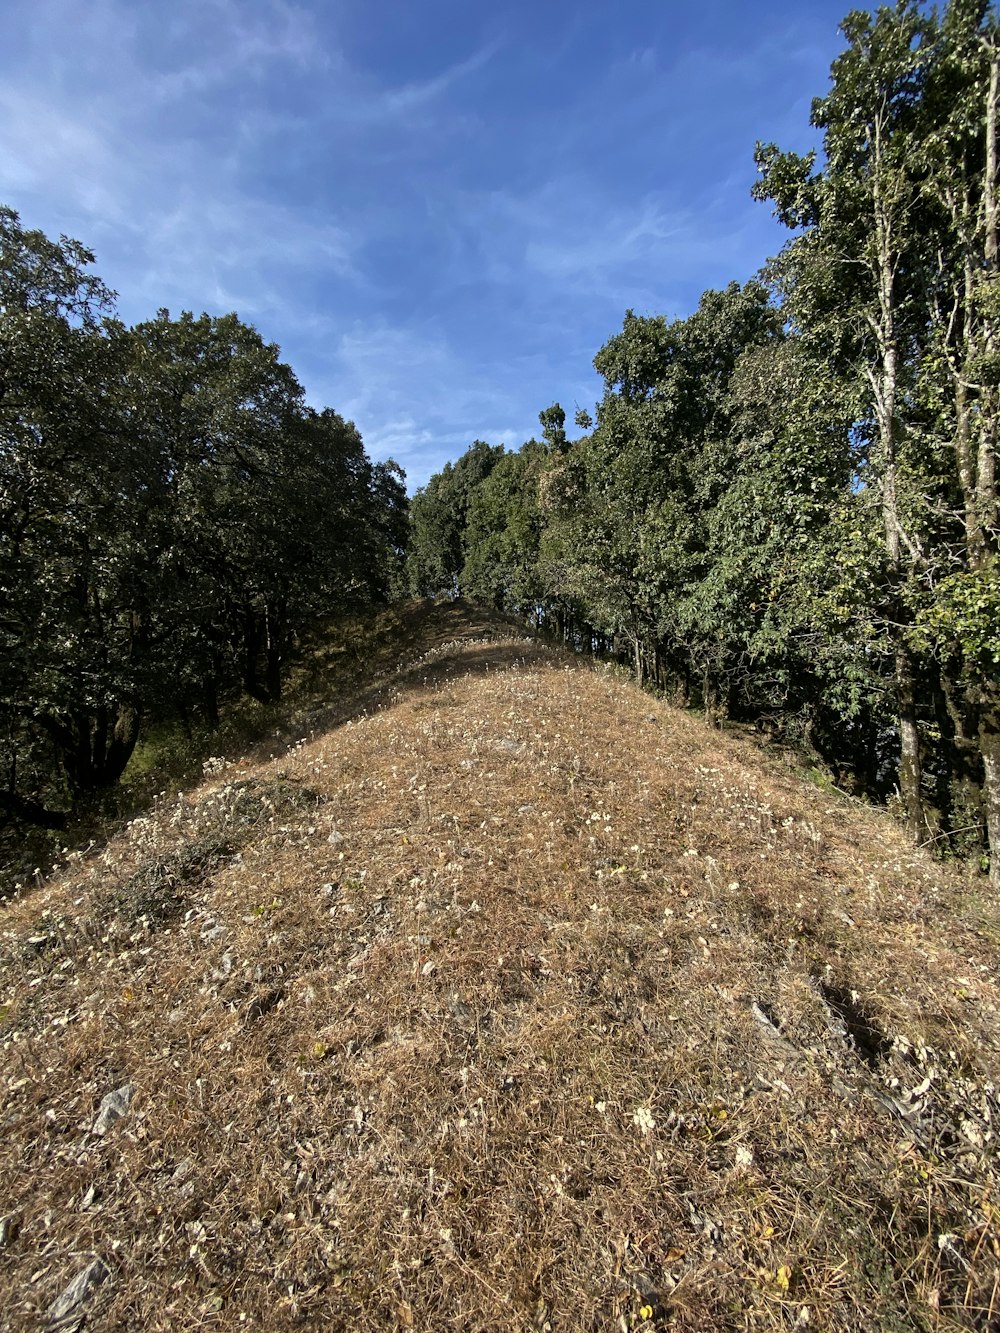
x=438 y=518
x=785 y=508
x=172 y=516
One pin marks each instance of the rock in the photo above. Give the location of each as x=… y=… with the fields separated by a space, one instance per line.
x=113 y=1108
x=64 y=1312
x=225 y=967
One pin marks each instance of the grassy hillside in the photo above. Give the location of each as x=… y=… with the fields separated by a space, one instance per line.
x=339 y=669
x=514 y=1001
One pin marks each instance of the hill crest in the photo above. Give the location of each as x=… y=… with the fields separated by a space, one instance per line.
x=520 y=1000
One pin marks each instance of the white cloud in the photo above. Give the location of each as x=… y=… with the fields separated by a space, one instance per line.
x=413 y=396
x=184 y=223
x=233 y=43
x=585 y=253
x=431 y=250
x=49 y=148
x=119 y=126
x=413 y=95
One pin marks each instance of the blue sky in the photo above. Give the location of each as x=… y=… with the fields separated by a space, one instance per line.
x=439 y=209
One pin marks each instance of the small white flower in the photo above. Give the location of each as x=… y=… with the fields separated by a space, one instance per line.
x=643 y=1119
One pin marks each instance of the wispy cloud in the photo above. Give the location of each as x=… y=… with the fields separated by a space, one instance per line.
x=177 y=210
x=574 y=251
x=412 y=96
x=415 y=396
x=230 y=43
x=44 y=142
x=440 y=238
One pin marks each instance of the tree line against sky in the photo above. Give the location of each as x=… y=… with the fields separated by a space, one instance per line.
x=786 y=507
x=172 y=514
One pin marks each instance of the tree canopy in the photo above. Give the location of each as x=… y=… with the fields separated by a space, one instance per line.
x=785 y=507
x=171 y=515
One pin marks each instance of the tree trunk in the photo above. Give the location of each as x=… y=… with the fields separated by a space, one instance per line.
x=95 y=747
x=909 y=745
x=253 y=639
x=708 y=700
x=986 y=490
x=989 y=744
x=885 y=386
x=684 y=685
x=31 y=812
x=958 y=722
x=120 y=748
x=96 y=741
x=965 y=463
x=210 y=702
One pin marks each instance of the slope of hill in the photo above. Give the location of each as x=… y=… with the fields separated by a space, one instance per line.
x=521 y=1002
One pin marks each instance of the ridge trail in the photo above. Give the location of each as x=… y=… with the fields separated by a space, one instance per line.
x=525 y=1001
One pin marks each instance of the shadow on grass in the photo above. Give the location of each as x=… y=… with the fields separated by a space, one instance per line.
x=427 y=672
x=343 y=670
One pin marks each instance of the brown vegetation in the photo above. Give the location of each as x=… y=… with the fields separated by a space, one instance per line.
x=521 y=1002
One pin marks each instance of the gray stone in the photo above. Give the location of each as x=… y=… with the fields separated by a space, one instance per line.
x=64 y=1312
x=113 y=1108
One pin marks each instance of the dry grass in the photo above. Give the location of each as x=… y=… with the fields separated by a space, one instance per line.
x=523 y=1002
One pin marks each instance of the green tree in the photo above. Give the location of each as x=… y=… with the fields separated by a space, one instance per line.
x=856 y=280
x=502 y=534
x=171 y=516
x=892 y=281
x=438 y=519
x=959 y=389
x=654 y=473
x=71 y=532
x=270 y=513
x=223 y=416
